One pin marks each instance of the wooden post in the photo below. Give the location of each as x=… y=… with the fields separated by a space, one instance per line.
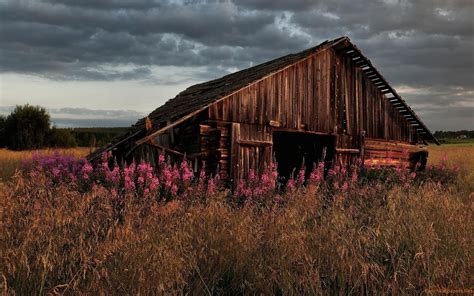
x=362 y=146
x=234 y=165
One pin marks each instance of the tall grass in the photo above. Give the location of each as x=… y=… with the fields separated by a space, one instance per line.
x=10 y=160
x=372 y=240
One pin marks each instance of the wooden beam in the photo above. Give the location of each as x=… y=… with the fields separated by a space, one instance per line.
x=290 y=130
x=349 y=151
x=166 y=149
x=254 y=143
x=274 y=123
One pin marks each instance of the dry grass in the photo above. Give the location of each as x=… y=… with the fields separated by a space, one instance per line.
x=371 y=241
x=461 y=154
x=11 y=160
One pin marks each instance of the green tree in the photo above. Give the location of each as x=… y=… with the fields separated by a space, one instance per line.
x=61 y=138
x=27 y=127
x=2 y=131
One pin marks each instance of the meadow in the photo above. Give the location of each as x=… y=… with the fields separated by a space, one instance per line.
x=10 y=160
x=70 y=229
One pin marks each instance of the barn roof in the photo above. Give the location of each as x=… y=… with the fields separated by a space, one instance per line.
x=198 y=97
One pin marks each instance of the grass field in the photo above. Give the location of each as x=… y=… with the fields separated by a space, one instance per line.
x=12 y=160
x=459 y=153
x=373 y=239
x=462 y=154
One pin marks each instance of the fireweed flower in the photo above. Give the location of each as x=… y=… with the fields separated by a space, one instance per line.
x=168 y=177
x=211 y=186
x=154 y=183
x=354 y=175
x=186 y=173
x=86 y=170
x=113 y=176
x=290 y=185
x=161 y=159
x=345 y=186
x=175 y=173
x=317 y=173
x=174 y=190
x=301 y=176
x=56 y=172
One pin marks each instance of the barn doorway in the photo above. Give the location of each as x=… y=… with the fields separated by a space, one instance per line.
x=291 y=150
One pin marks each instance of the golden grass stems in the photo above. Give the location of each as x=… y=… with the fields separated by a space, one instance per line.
x=374 y=241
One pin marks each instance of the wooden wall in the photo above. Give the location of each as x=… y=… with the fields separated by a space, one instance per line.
x=251 y=148
x=321 y=93
x=298 y=95
x=362 y=106
x=325 y=93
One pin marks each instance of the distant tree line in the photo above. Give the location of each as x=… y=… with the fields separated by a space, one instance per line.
x=95 y=136
x=454 y=134
x=29 y=127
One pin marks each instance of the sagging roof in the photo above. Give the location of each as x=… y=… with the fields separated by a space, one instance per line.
x=200 y=96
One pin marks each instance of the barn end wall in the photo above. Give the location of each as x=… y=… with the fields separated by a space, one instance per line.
x=325 y=93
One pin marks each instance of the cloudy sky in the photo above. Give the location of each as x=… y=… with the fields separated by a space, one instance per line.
x=108 y=62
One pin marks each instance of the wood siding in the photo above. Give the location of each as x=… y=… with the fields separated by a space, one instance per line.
x=251 y=148
x=322 y=93
x=326 y=93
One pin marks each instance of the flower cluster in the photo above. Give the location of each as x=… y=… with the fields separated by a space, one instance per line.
x=164 y=182
x=57 y=167
x=257 y=185
x=168 y=180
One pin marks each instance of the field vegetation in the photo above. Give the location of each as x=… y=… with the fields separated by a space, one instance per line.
x=68 y=227
x=11 y=160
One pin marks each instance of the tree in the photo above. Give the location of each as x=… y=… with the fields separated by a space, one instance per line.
x=27 y=127
x=2 y=131
x=61 y=138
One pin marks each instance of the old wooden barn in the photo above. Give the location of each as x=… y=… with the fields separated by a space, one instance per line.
x=327 y=103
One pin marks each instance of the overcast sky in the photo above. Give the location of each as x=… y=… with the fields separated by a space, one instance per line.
x=80 y=57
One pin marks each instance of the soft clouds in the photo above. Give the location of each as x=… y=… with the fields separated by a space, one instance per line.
x=425 y=44
x=83 y=117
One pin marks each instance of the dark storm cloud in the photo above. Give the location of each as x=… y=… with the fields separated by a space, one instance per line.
x=68 y=38
x=417 y=45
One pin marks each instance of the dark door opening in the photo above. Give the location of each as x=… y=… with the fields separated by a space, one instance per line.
x=292 y=150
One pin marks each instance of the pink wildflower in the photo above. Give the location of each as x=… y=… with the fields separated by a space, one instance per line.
x=114 y=192
x=345 y=186
x=55 y=172
x=291 y=184
x=354 y=176
x=155 y=182
x=129 y=184
x=113 y=175
x=211 y=186
x=186 y=173
x=174 y=190
x=301 y=176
